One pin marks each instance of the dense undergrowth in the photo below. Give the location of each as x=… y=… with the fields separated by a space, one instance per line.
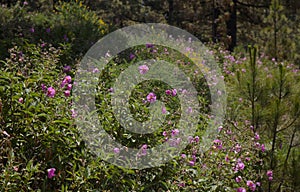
x=256 y=149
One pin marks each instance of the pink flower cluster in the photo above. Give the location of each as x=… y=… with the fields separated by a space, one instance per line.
x=217 y=144
x=252 y=186
x=172 y=92
x=67 y=84
x=173 y=140
x=239 y=166
x=270 y=175
x=142 y=151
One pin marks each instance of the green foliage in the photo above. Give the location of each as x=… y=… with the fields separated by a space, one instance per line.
x=266 y=93
x=38 y=133
x=71 y=26
x=37 y=129
x=282 y=41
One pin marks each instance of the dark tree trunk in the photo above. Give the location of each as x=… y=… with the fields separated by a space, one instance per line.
x=231 y=25
x=171 y=10
x=215 y=13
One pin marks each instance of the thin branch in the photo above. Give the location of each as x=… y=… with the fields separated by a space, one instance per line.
x=295 y=145
x=288 y=126
x=286 y=159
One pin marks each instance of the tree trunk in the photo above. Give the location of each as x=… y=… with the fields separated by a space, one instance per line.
x=215 y=13
x=171 y=10
x=231 y=25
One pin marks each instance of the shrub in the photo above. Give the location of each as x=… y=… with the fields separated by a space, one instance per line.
x=71 y=26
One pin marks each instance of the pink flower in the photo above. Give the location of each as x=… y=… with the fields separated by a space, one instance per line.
x=21 y=100
x=238 y=148
x=95 y=70
x=190 y=139
x=111 y=89
x=228 y=132
x=257 y=144
x=251 y=185
x=149 y=45
x=44 y=88
x=67 y=93
x=163 y=110
x=241 y=189
x=131 y=56
x=189 y=110
x=168 y=92
x=144 y=149
x=174 y=132
x=256 y=136
x=143 y=69
x=227 y=158
x=181 y=184
x=270 y=178
x=151 y=97
x=194 y=158
x=263 y=149
x=67 y=68
x=51 y=172
x=165 y=133
x=220 y=128
x=238 y=179
x=183 y=156
x=174 y=92
x=68 y=79
x=51 y=92
x=270 y=173
x=69 y=87
x=116 y=150
x=74 y=113
x=184 y=91
x=16 y=168
x=240 y=165
x=218 y=144
x=196 y=139
x=174 y=142
x=191 y=163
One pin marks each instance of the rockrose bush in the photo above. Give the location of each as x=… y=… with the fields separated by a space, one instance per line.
x=42 y=149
